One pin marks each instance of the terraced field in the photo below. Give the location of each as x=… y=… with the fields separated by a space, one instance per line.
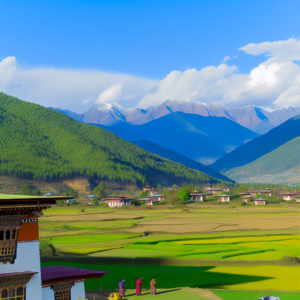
x=237 y=248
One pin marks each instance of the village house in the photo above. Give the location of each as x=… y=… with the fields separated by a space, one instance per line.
x=297 y=198
x=146 y=188
x=226 y=189
x=266 y=193
x=247 y=198
x=208 y=186
x=254 y=193
x=152 y=192
x=148 y=201
x=216 y=191
x=223 y=198
x=90 y=197
x=197 y=197
x=287 y=196
x=260 y=201
x=117 y=201
x=156 y=197
x=207 y=195
x=245 y=194
x=21 y=274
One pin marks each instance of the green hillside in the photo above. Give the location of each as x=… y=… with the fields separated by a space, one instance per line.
x=37 y=142
x=280 y=165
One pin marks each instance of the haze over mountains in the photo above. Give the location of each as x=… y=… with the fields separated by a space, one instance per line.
x=204 y=139
x=251 y=117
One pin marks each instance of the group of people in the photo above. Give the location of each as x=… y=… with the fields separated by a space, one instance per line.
x=138 y=289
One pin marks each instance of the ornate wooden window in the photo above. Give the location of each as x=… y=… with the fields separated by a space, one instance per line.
x=13 y=293
x=12 y=286
x=62 y=291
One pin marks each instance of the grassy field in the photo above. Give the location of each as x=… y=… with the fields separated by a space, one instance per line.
x=244 y=248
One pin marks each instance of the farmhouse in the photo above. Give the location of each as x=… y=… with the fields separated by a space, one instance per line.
x=207 y=195
x=156 y=197
x=297 y=198
x=197 y=197
x=254 y=193
x=266 y=193
x=146 y=188
x=226 y=189
x=246 y=198
x=152 y=191
x=21 y=275
x=260 y=201
x=117 y=201
x=208 y=186
x=287 y=196
x=148 y=201
x=223 y=198
x=244 y=194
x=216 y=191
x=90 y=197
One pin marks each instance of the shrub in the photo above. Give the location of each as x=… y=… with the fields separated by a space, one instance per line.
x=160 y=202
x=243 y=203
x=74 y=202
x=103 y=204
x=184 y=194
x=82 y=210
x=46 y=248
x=135 y=202
x=95 y=201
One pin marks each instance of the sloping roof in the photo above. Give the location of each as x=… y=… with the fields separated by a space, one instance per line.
x=17 y=273
x=259 y=199
x=54 y=274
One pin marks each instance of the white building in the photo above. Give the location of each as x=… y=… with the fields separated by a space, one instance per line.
x=21 y=276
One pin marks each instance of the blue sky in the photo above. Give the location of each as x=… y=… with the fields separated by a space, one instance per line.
x=146 y=39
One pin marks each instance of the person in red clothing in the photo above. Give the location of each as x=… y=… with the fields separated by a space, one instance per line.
x=138 y=284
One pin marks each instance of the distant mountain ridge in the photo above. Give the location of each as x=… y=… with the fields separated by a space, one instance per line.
x=204 y=139
x=177 y=157
x=259 y=146
x=251 y=117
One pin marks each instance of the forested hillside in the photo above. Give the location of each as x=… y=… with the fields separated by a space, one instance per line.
x=37 y=142
x=280 y=165
x=259 y=146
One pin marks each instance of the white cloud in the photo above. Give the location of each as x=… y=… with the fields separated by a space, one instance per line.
x=275 y=82
x=113 y=93
x=227 y=58
x=66 y=87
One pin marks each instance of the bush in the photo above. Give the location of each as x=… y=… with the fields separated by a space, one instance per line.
x=135 y=202
x=103 y=204
x=46 y=248
x=95 y=201
x=164 y=202
x=243 y=203
x=74 y=202
x=82 y=210
x=184 y=194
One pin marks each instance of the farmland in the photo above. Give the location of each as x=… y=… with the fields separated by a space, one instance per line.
x=205 y=246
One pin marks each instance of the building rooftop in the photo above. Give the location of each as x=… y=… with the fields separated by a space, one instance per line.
x=53 y=274
x=259 y=199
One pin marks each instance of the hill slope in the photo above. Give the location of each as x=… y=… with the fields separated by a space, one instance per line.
x=203 y=139
x=259 y=146
x=37 y=142
x=280 y=165
x=175 y=156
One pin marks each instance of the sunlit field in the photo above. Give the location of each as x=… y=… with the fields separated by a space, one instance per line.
x=204 y=246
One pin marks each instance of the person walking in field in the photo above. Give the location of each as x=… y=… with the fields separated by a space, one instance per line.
x=122 y=288
x=138 y=284
x=153 y=286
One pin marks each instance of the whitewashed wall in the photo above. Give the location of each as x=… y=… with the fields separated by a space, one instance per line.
x=27 y=260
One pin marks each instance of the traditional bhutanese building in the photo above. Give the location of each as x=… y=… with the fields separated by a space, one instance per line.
x=260 y=201
x=208 y=186
x=117 y=201
x=223 y=198
x=152 y=192
x=287 y=196
x=146 y=188
x=21 y=276
x=297 y=198
x=197 y=196
x=246 y=198
x=216 y=191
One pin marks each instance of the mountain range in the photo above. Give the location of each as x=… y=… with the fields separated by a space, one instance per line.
x=251 y=117
x=268 y=155
x=37 y=142
x=204 y=139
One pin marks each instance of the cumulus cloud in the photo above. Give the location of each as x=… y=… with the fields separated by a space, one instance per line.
x=275 y=82
x=71 y=88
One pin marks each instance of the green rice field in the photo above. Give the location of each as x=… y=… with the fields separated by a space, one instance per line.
x=212 y=247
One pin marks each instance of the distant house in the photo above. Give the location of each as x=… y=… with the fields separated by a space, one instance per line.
x=223 y=198
x=152 y=191
x=287 y=196
x=266 y=193
x=260 y=201
x=146 y=188
x=117 y=201
x=246 y=198
x=297 y=198
x=50 y=194
x=148 y=201
x=208 y=186
x=216 y=191
x=207 y=195
x=254 y=193
x=226 y=189
x=197 y=196
x=156 y=197
x=244 y=194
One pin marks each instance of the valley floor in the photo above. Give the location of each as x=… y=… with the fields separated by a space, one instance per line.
x=232 y=249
